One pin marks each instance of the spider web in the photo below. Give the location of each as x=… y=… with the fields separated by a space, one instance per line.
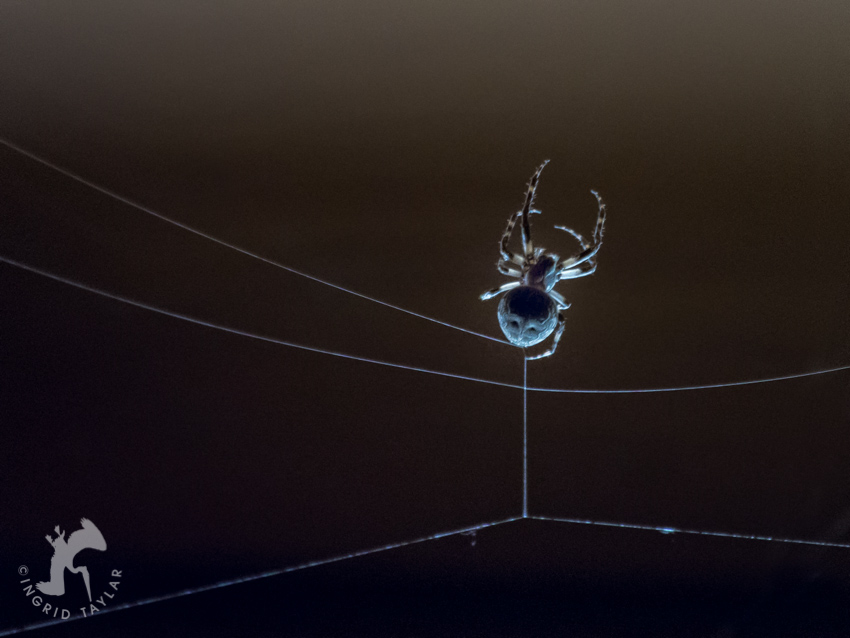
x=523 y=514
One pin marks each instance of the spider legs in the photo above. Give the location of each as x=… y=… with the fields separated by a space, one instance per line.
x=562 y=303
x=584 y=256
x=508 y=269
x=584 y=263
x=558 y=332
x=507 y=255
x=527 y=246
x=600 y=219
x=597 y=231
x=588 y=268
x=581 y=240
x=497 y=291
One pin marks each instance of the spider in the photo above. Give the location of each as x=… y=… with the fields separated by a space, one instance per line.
x=531 y=311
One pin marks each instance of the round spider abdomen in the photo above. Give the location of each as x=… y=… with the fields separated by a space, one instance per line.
x=527 y=316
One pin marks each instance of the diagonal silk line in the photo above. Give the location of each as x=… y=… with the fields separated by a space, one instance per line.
x=199 y=233
x=677 y=530
x=250 y=335
x=236 y=331
x=267 y=574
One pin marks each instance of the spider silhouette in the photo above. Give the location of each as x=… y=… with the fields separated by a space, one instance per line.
x=531 y=309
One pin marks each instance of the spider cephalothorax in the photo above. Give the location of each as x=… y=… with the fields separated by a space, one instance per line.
x=531 y=309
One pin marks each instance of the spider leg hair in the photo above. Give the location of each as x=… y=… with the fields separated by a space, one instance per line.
x=600 y=219
x=581 y=240
x=497 y=291
x=560 y=331
x=528 y=247
x=597 y=231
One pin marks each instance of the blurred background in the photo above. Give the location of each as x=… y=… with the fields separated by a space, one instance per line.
x=382 y=147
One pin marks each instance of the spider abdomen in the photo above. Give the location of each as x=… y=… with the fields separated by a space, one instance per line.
x=527 y=316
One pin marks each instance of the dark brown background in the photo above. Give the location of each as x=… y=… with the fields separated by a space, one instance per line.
x=382 y=146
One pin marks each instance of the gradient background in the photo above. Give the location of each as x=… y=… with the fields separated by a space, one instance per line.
x=382 y=146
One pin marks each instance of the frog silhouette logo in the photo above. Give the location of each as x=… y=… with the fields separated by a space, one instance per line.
x=64 y=552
